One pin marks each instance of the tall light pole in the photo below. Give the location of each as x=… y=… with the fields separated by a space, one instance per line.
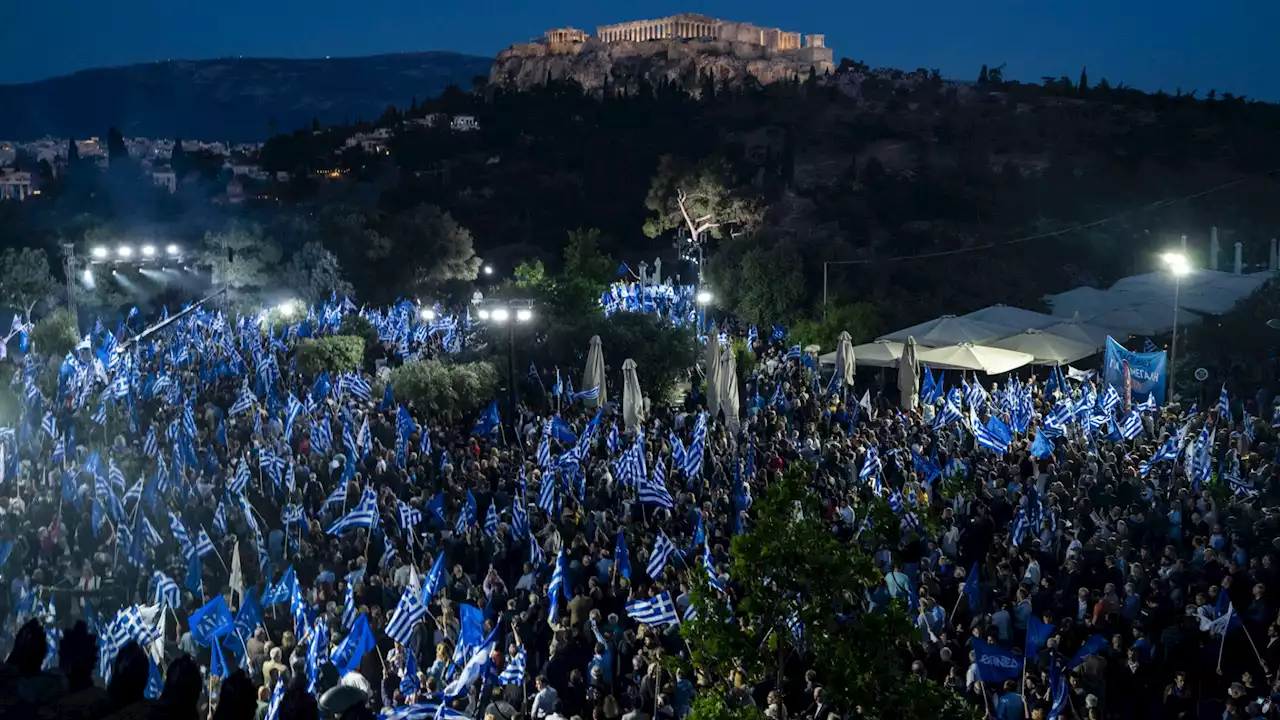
x=69 y=269
x=509 y=313
x=1178 y=266
x=703 y=298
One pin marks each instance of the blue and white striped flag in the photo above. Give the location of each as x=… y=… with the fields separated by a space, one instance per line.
x=513 y=673
x=653 y=493
x=168 y=594
x=349 y=607
x=663 y=550
x=656 y=611
x=364 y=515
x=408 y=612
x=1132 y=425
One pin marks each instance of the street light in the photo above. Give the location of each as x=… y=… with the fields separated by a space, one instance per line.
x=124 y=251
x=704 y=297
x=1178 y=266
x=509 y=313
x=148 y=250
x=427 y=314
x=172 y=249
x=488 y=269
x=99 y=253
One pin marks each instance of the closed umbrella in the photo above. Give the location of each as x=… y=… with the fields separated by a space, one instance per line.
x=712 y=371
x=909 y=375
x=632 y=398
x=844 y=359
x=593 y=376
x=729 y=391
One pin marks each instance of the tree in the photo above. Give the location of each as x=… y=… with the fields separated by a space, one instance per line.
x=788 y=564
x=445 y=387
x=336 y=353
x=983 y=78
x=772 y=285
x=1084 y=80
x=698 y=200
x=117 y=151
x=857 y=319
x=314 y=274
x=178 y=159
x=429 y=247
x=25 y=278
x=586 y=275
x=56 y=334
x=240 y=257
x=73 y=154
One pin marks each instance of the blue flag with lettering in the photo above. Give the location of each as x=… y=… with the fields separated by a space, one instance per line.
x=995 y=664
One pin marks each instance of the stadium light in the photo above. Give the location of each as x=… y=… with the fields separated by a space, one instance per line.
x=427 y=314
x=99 y=252
x=87 y=277
x=484 y=314
x=287 y=308
x=148 y=250
x=500 y=315
x=524 y=315
x=704 y=297
x=488 y=269
x=124 y=251
x=172 y=249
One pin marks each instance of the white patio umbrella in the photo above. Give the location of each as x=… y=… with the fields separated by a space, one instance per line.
x=1142 y=319
x=844 y=359
x=881 y=353
x=1080 y=332
x=978 y=358
x=1013 y=318
x=593 y=376
x=909 y=375
x=1046 y=348
x=949 y=330
x=632 y=397
x=712 y=371
x=729 y=401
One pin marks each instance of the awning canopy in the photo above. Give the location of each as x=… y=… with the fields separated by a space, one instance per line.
x=1012 y=318
x=1148 y=318
x=1077 y=331
x=992 y=361
x=880 y=353
x=948 y=330
x=1046 y=348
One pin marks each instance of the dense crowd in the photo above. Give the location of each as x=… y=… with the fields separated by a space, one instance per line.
x=189 y=523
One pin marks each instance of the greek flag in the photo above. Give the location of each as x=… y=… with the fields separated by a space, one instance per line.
x=1168 y=451
x=591 y=393
x=407 y=614
x=555 y=588
x=49 y=425
x=168 y=594
x=652 y=492
x=349 y=607
x=277 y=696
x=1224 y=404
x=357 y=386
x=1132 y=425
x=151 y=446
x=100 y=415
x=491 y=520
x=220 y=518
x=709 y=565
x=871 y=466
x=544 y=447
x=244 y=402
x=1109 y=400
x=663 y=550
x=656 y=611
x=241 y=480
x=693 y=456
x=985 y=436
x=365 y=515
x=513 y=673
x=408 y=515
x=547 y=494
x=794 y=353
x=1148 y=405
x=204 y=545
x=180 y=533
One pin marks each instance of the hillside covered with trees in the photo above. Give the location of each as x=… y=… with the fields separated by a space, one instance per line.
x=932 y=196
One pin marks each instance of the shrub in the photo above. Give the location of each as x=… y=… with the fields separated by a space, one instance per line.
x=340 y=353
x=445 y=387
x=57 y=334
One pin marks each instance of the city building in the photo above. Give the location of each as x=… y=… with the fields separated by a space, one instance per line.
x=15 y=184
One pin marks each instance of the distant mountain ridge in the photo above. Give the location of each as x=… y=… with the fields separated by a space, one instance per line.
x=233 y=99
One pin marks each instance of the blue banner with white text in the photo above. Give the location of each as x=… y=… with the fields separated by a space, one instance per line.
x=1135 y=375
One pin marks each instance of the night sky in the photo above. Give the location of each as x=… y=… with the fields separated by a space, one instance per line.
x=1229 y=45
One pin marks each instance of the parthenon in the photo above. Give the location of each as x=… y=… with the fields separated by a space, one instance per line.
x=702 y=27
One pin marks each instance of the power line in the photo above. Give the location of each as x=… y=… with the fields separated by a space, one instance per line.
x=1054 y=233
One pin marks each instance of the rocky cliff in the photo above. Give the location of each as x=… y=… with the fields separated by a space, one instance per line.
x=591 y=63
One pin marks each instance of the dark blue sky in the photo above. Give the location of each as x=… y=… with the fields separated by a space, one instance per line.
x=1229 y=45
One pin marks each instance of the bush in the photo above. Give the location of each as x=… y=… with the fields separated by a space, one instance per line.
x=57 y=334
x=445 y=387
x=359 y=326
x=858 y=318
x=340 y=353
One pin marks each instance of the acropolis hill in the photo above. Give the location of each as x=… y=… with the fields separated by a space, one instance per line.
x=681 y=49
